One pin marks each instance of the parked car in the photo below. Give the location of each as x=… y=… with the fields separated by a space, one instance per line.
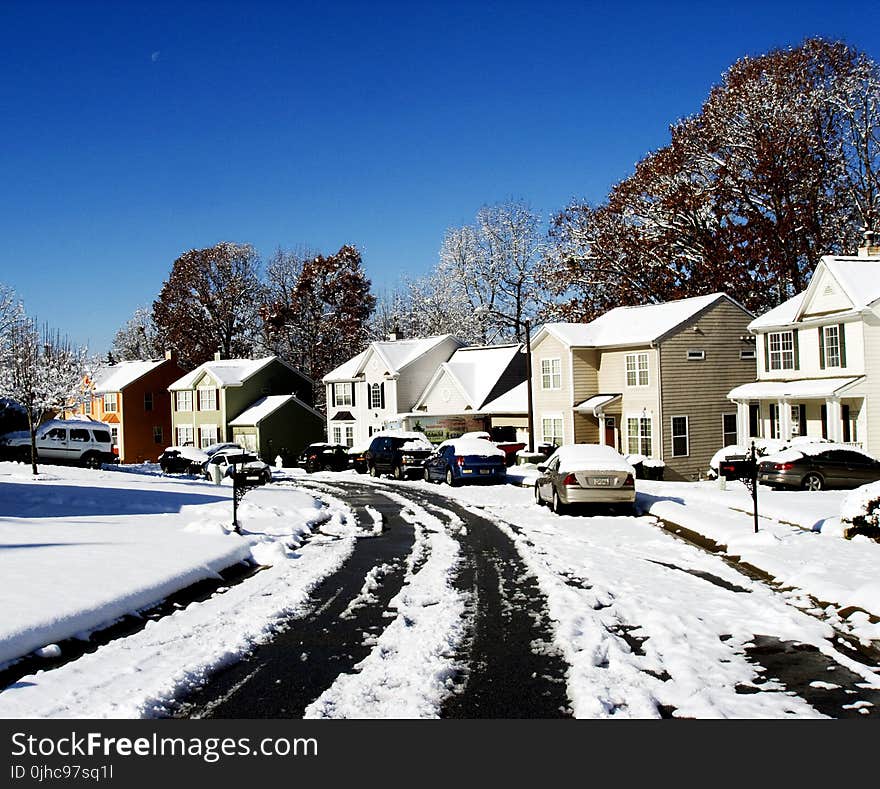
x=254 y=470
x=585 y=474
x=214 y=448
x=182 y=460
x=818 y=466
x=357 y=458
x=84 y=442
x=399 y=453
x=510 y=448
x=461 y=460
x=320 y=456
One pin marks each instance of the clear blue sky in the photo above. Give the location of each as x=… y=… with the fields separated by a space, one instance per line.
x=130 y=132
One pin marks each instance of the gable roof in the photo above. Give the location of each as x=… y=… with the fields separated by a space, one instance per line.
x=637 y=325
x=227 y=372
x=858 y=278
x=115 y=377
x=395 y=355
x=266 y=406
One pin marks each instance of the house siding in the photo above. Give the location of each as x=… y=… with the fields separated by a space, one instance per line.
x=585 y=373
x=698 y=389
x=553 y=402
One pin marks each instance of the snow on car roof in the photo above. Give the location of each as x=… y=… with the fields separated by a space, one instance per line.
x=575 y=457
x=190 y=453
x=473 y=446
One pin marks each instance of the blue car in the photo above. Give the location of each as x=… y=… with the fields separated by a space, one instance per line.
x=460 y=461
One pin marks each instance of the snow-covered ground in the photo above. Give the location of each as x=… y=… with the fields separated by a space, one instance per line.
x=81 y=548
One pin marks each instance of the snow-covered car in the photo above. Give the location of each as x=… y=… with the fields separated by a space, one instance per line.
x=585 y=474
x=400 y=453
x=182 y=460
x=214 y=448
x=510 y=448
x=818 y=466
x=461 y=460
x=252 y=469
x=763 y=446
x=86 y=442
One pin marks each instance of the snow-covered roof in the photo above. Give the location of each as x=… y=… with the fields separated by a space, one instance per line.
x=858 y=278
x=115 y=377
x=513 y=401
x=596 y=403
x=265 y=406
x=475 y=371
x=227 y=372
x=813 y=387
x=395 y=354
x=630 y=325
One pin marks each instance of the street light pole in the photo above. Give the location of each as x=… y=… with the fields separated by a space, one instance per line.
x=531 y=406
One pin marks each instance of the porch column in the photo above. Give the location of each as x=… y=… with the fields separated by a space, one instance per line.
x=833 y=417
x=742 y=423
x=784 y=411
x=602 y=428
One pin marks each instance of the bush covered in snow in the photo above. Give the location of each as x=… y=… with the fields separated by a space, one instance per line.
x=860 y=511
x=646 y=468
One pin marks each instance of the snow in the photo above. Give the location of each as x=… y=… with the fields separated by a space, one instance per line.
x=857 y=504
x=83 y=548
x=631 y=325
x=582 y=457
x=477 y=370
x=818 y=387
x=227 y=372
x=782 y=315
x=477 y=434
x=266 y=406
x=190 y=453
x=115 y=377
x=514 y=401
x=396 y=354
x=473 y=446
x=810 y=449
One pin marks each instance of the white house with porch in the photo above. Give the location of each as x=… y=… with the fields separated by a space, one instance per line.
x=818 y=359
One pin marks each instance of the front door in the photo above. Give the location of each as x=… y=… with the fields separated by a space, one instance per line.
x=610 y=430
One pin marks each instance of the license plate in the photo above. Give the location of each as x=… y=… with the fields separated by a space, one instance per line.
x=485 y=471
x=600 y=482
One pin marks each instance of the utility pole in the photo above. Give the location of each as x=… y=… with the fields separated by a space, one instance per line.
x=531 y=407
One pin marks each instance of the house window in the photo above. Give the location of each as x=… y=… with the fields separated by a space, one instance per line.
x=148 y=401
x=831 y=342
x=110 y=402
x=551 y=373
x=183 y=401
x=680 y=446
x=781 y=350
x=639 y=435
x=157 y=434
x=349 y=435
x=337 y=435
x=637 y=369
x=184 y=436
x=728 y=429
x=551 y=430
x=696 y=356
x=207 y=399
x=87 y=406
x=114 y=435
x=207 y=435
x=342 y=394
x=375 y=396
x=747 y=354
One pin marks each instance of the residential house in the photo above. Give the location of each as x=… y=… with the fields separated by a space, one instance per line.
x=369 y=391
x=132 y=398
x=479 y=388
x=818 y=359
x=257 y=393
x=650 y=380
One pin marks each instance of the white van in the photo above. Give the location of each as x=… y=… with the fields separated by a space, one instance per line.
x=86 y=442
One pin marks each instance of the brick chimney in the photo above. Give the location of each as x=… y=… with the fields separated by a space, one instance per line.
x=870 y=248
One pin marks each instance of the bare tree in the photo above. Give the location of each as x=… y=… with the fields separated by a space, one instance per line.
x=41 y=374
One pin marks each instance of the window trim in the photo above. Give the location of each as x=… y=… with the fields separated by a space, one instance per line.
x=748 y=354
x=553 y=417
x=203 y=390
x=686 y=435
x=108 y=402
x=637 y=369
x=696 y=356
x=640 y=435
x=216 y=435
x=547 y=377
x=338 y=389
x=185 y=394
x=825 y=356
x=724 y=432
x=781 y=351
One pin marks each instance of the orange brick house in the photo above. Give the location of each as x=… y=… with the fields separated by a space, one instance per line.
x=133 y=399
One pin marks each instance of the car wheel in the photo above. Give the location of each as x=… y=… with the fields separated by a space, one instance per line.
x=558 y=507
x=450 y=479
x=374 y=472
x=538 y=499
x=164 y=468
x=92 y=461
x=812 y=482
x=312 y=465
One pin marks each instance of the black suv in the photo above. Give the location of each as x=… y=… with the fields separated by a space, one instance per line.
x=319 y=456
x=401 y=455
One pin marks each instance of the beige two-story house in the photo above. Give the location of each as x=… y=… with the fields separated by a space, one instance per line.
x=650 y=380
x=818 y=359
x=372 y=390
